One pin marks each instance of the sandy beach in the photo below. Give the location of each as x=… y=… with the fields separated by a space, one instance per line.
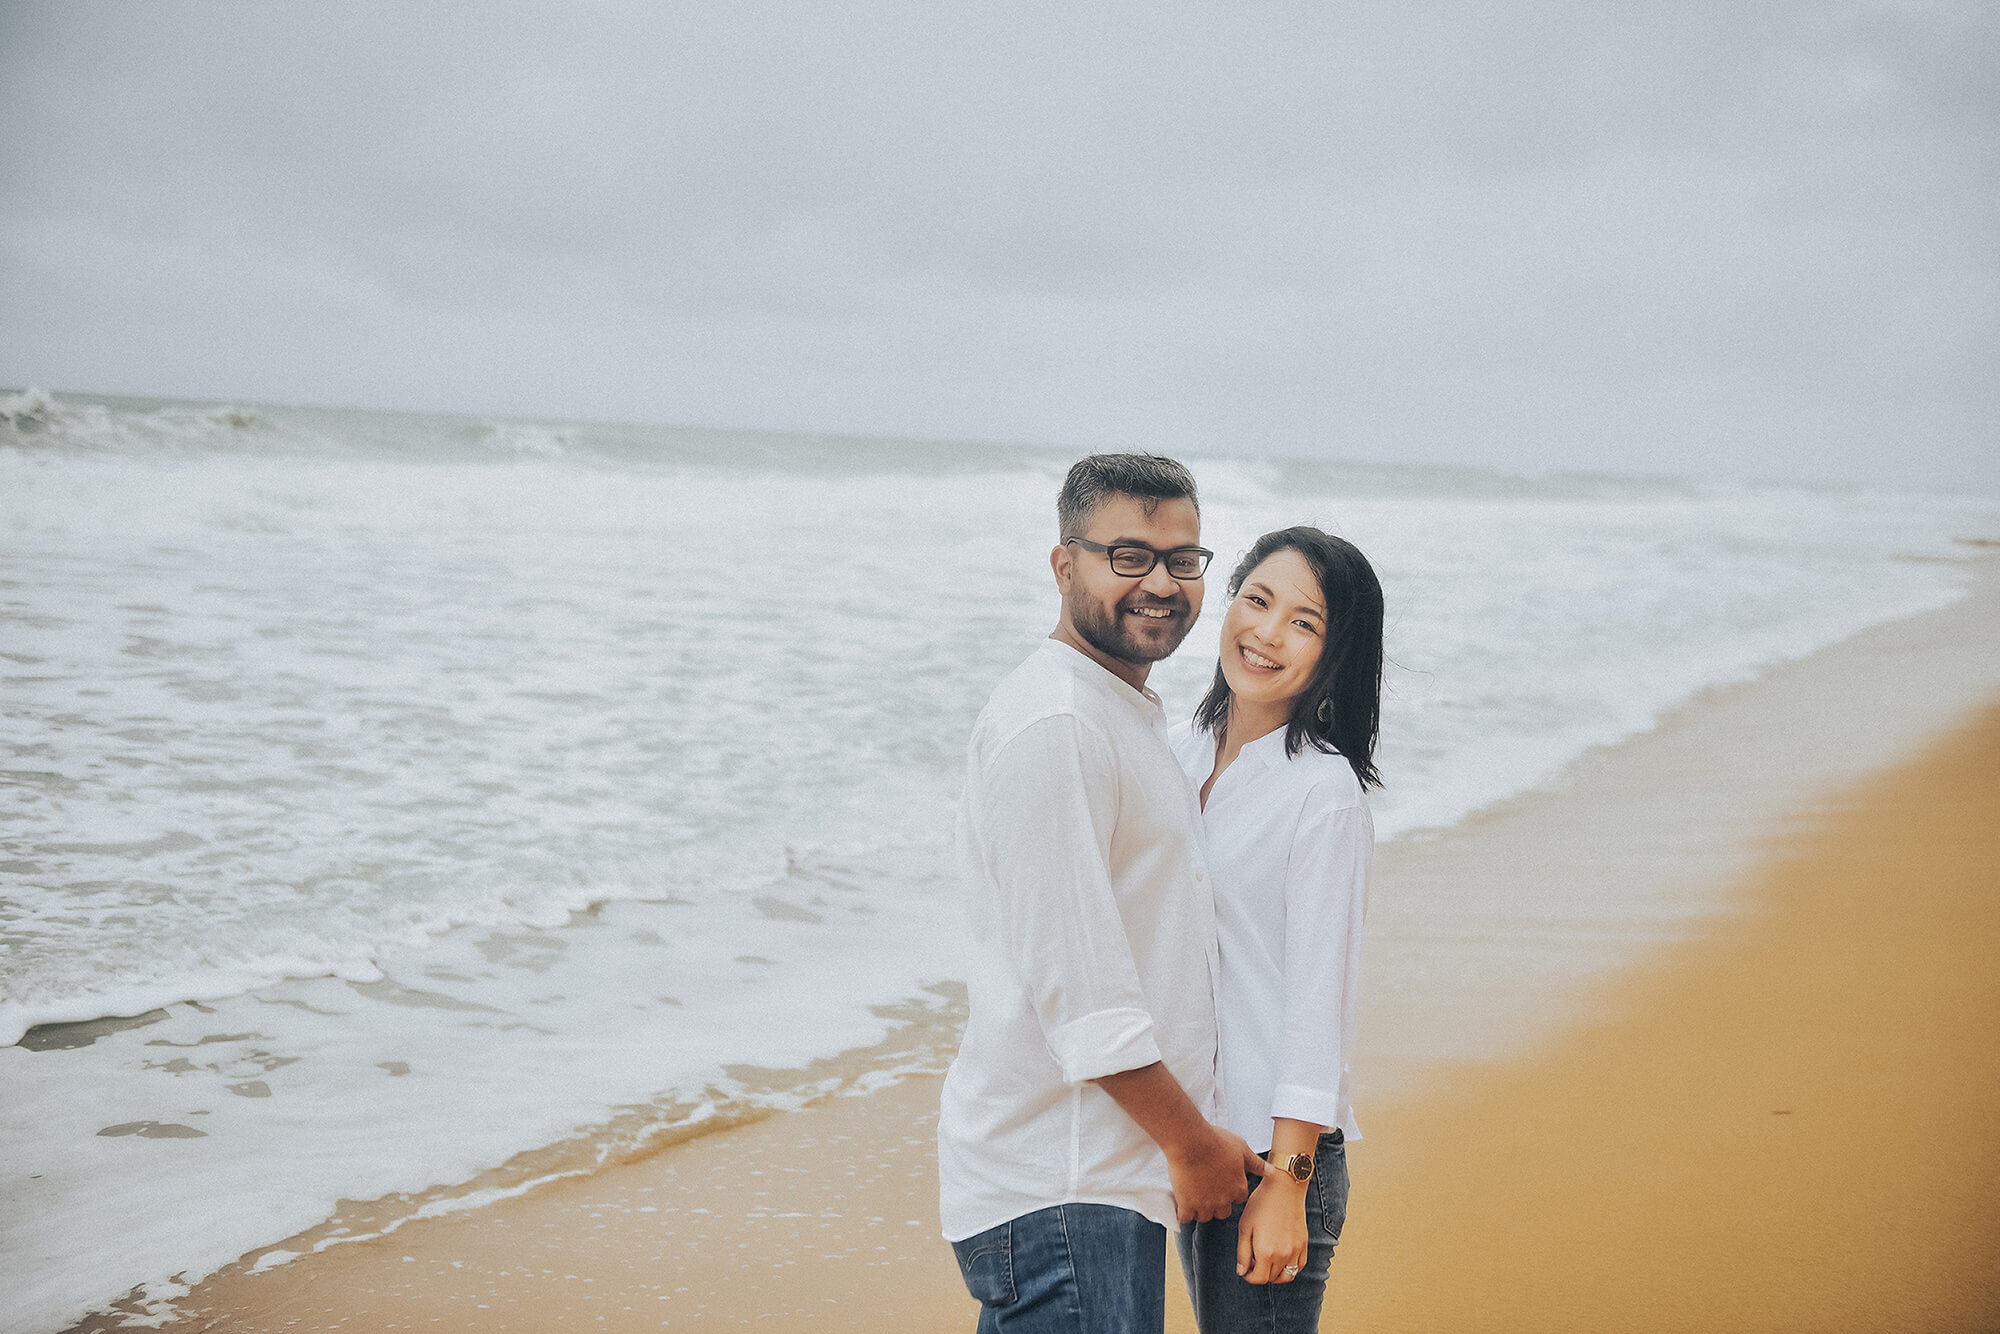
x=1786 y=1124
x=1779 y=1114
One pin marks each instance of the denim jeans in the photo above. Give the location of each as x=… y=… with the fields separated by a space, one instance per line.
x=1070 y=1269
x=1224 y=1303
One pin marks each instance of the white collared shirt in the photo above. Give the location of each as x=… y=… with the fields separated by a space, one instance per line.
x=1290 y=840
x=1092 y=948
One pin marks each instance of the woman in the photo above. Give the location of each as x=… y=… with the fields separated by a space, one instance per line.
x=1282 y=751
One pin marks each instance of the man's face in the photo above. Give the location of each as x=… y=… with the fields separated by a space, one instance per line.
x=1135 y=620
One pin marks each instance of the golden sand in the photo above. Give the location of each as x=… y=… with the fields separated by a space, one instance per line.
x=1792 y=1124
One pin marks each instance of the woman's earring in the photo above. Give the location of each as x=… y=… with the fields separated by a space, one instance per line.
x=1325 y=711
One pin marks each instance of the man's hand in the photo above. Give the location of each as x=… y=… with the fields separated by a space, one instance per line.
x=1208 y=1172
x=1205 y=1163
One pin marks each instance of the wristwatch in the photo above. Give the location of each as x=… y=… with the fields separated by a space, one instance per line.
x=1297 y=1166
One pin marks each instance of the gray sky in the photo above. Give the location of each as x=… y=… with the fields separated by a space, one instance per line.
x=1746 y=238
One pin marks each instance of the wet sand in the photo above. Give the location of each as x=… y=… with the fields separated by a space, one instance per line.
x=1778 y=1115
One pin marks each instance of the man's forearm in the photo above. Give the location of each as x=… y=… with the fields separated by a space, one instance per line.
x=1208 y=1164
x=1152 y=1096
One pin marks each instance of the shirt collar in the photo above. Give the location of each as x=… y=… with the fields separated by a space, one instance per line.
x=1267 y=749
x=1089 y=669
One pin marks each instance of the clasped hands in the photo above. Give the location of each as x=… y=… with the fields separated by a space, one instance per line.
x=1211 y=1177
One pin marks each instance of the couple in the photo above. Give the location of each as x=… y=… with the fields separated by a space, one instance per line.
x=1165 y=924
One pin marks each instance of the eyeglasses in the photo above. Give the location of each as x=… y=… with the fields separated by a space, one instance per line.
x=1132 y=561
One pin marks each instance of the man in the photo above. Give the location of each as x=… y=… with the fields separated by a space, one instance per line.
x=1075 y=1125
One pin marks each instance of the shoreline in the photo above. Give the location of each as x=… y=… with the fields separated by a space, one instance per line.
x=1409 y=1049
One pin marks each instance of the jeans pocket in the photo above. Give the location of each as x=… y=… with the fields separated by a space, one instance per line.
x=986 y=1262
x=1330 y=1189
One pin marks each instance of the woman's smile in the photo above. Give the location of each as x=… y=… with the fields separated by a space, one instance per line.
x=1258 y=660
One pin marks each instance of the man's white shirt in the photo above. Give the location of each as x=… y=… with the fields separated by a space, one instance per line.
x=1092 y=948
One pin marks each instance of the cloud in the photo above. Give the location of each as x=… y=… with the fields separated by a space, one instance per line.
x=1727 y=237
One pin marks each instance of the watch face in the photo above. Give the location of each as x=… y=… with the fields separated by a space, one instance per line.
x=1300 y=1165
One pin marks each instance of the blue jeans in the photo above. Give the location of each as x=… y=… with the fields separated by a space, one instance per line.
x=1224 y=1303
x=1070 y=1269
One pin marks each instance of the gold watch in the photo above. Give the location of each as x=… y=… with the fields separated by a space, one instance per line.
x=1297 y=1166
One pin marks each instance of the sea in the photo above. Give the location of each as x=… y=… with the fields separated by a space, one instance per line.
x=400 y=811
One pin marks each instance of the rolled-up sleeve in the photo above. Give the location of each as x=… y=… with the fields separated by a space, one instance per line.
x=1326 y=899
x=1048 y=805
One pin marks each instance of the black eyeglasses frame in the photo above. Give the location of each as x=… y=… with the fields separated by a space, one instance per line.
x=1110 y=554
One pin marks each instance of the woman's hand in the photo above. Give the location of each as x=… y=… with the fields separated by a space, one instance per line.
x=1271 y=1237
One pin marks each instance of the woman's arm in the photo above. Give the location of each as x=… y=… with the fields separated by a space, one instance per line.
x=1272 y=1234
x=1326 y=898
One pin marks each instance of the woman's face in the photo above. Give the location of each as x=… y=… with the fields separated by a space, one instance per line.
x=1272 y=632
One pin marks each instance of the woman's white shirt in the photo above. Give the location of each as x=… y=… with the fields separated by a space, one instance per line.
x=1289 y=845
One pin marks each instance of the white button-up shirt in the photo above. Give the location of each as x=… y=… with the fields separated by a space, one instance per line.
x=1092 y=948
x=1290 y=840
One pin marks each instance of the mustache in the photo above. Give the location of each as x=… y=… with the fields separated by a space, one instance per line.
x=1141 y=598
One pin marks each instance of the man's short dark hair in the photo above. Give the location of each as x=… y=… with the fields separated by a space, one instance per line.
x=1148 y=478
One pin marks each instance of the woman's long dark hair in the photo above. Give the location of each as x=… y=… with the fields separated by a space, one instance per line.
x=1340 y=710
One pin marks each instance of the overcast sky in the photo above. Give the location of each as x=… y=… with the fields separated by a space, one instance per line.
x=1708 y=236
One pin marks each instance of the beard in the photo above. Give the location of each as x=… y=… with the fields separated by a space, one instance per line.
x=1127 y=638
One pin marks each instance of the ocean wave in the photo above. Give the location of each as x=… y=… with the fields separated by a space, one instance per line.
x=35 y=421
x=28 y=409
x=527 y=439
x=38 y=420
